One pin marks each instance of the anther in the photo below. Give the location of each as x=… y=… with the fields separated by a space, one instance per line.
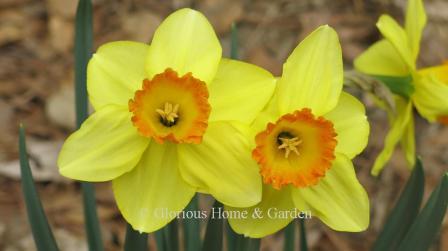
x=169 y=114
x=290 y=145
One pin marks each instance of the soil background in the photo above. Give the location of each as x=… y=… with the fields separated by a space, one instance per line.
x=36 y=89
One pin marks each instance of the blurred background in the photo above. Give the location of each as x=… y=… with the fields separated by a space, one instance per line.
x=36 y=88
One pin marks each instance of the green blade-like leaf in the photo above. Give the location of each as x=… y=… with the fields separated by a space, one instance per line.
x=214 y=233
x=43 y=237
x=289 y=234
x=428 y=222
x=234 y=42
x=171 y=236
x=399 y=85
x=303 y=241
x=160 y=240
x=83 y=52
x=232 y=238
x=404 y=212
x=248 y=244
x=192 y=240
x=135 y=241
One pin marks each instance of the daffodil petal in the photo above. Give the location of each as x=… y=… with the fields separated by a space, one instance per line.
x=115 y=72
x=399 y=123
x=149 y=195
x=312 y=75
x=339 y=200
x=381 y=59
x=222 y=165
x=351 y=125
x=408 y=142
x=414 y=25
x=431 y=92
x=397 y=36
x=185 y=42
x=270 y=114
x=272 y=202
x=106 y=146
x=239 y=91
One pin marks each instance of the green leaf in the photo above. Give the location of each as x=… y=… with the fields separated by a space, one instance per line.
x=83 y=52
x=43 y=237
x=404 y=212
x=171 y=236
x=248 y=244
x=160 y=240
x=234 y=42
x=135 y=241
x=399 y=85
x=290 y=233
x=429 y=220
x=214 y=233
x=192 y=240
x=232 y=238
x=303 y=241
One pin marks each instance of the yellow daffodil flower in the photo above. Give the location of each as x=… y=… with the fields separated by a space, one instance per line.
x=170 y=119
x=304 y=142
x=395 y=56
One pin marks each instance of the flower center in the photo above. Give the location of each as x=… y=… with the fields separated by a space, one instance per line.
x=296 y=150
x=168 y=116
x=173 y=108
x=288 y=143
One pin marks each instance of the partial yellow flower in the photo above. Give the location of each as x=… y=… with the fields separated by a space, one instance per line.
x=304 y=141
x=396 y=56
x=171 y=119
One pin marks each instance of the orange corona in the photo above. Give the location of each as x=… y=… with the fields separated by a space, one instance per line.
x=443 y=120
x=298 y=150
x=172 y=108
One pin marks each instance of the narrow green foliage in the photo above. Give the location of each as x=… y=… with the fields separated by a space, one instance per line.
x=234 y=42
x=303 y=241
x=171 y=236
x=289 y=235
x=248 y=244
x=135 y=241
x=232 y=238
x=214 y=233
x=43 y=237
x=160 y=240
x=404 y=212
x=83 y=52
x=192 y=240
x=428 y=222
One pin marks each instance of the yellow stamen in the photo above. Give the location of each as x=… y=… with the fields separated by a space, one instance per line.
x=290 y=145
x=169 y=113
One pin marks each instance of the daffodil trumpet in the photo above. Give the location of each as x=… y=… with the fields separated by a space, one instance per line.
x=171 y=119
x=393 y=60
x=304 y=144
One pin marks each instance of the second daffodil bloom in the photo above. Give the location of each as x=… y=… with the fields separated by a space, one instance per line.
x=304 y=142
x=170 y=119
x=393 y=59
